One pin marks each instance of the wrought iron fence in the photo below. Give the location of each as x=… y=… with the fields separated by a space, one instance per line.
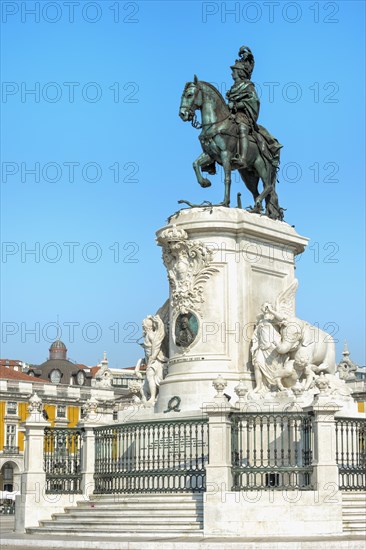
x=160 y=456
x=351 y=453
x=62 y=460
x=271 y=450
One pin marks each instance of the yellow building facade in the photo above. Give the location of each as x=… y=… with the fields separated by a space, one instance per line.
x=59 y=409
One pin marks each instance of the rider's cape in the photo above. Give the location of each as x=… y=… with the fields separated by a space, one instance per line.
x=268 y=145
x=246 y=105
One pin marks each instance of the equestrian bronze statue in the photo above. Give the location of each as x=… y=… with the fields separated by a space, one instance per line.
x=231 y=136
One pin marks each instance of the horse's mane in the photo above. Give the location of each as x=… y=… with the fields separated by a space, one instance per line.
x=211 y=86
x=215 y=90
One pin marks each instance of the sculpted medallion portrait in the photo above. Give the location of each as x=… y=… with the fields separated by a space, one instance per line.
x=186 y=329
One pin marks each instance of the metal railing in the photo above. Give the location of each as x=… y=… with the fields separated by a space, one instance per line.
x=351 y=453
x=62 y=460
x=271 y=451
x=161 y=456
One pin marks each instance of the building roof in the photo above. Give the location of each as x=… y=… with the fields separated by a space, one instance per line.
x=66 y=368
x=58 y=364
x=7 y=373
x=94 y=370
x=11 y=362
x=58 y=345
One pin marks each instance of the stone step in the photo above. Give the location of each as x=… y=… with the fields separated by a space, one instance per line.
x=141 y=533
x=354 y=499
x=353 y=505
x=358 y=513
x=354 y=530
x=121 y=497
x=356 y=523
x=165 y=523
x=354 y=526
x=117 y=513
x=348 y=507
x=158 y=514
x=354 y=512
x=137 y=504
x=96 y=529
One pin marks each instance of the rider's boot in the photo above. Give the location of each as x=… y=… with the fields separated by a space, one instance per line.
x=241 y=158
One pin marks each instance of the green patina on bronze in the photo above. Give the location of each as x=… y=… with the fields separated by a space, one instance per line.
x=231 y=136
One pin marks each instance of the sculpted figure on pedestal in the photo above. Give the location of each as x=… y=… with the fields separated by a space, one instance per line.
x=244 y=105
x=267 y=362
x=155 y=358
x=231 y=136
x=312 y=349
x=286 y=349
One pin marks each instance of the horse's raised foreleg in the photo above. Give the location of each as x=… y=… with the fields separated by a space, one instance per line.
x=204 y=158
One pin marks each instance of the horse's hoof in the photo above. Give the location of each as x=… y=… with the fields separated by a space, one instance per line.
x=205 y=183
x=254 y=210
x=224 y=203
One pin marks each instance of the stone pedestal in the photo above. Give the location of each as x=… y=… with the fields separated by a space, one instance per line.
x=218 y=469
x=30 y=503
x=234 y=262
x=326 y=473
x=93 y=419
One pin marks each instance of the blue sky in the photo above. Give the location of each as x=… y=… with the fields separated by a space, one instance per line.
x=110 y=158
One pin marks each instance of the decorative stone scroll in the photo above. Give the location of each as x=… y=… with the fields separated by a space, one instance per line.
x=188 y=266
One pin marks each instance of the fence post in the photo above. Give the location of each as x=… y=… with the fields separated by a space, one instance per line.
x=92 y=419
x=218 y=469
x=31 y=502
x=325 y=473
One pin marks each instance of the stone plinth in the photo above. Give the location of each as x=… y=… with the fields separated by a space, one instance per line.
x=247 y=260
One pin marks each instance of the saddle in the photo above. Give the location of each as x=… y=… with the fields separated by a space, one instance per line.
x=269 y=147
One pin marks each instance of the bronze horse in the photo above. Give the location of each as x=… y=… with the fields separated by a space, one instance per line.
x=219 y=143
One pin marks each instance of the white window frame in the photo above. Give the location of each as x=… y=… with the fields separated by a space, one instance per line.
x=63 y=416
x=13 y=435
x=12 y=412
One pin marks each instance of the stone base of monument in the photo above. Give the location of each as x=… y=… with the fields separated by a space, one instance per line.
x=223 y=264
x=267 y=513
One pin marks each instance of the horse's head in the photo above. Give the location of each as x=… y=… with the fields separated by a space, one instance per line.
x=191 y=100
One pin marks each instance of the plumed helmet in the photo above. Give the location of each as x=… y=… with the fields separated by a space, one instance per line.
x=246 y=56
x=246 y=53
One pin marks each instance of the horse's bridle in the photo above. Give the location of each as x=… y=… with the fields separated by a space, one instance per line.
x=192 y=111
